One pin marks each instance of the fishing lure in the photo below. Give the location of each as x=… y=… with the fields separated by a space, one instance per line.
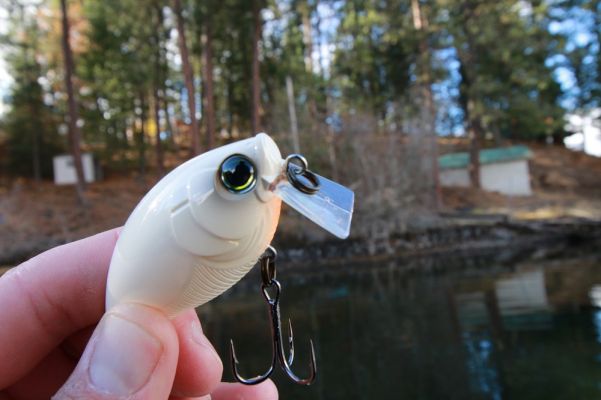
x=202 y=227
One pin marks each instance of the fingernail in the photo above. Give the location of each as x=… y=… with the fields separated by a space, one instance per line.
x=124 y=356
x=199 y=338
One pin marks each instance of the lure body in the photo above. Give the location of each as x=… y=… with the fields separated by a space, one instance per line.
x=189 y=239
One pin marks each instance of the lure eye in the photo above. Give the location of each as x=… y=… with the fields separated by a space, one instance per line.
x=238 y=174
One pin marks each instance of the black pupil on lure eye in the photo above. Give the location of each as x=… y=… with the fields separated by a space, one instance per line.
x=237 y=173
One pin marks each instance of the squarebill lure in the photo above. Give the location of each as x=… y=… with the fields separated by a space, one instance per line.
x=202 y=227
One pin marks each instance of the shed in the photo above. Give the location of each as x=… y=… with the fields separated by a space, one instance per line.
x=64 y=169
x=503 y=170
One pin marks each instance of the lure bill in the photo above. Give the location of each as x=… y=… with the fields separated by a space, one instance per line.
x=204 y=225
x=330 y=207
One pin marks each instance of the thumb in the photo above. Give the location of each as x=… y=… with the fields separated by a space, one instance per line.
x=132 y=354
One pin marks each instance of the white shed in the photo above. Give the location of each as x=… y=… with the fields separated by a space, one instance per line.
x=503 y=170
x=64 y=169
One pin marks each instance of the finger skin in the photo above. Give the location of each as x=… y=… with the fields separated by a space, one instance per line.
x=44 y=379
x=55 y=298
x=49 y=297
x=81 y=384
x=50 y=374
x=236 y=391
x=199 y=368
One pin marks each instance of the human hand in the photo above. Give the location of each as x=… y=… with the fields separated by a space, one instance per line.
x=54 y=337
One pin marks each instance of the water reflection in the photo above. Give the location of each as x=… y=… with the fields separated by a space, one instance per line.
x=487 y=327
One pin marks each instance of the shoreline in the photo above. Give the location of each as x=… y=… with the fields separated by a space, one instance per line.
x=468 y=234
x=468 y=239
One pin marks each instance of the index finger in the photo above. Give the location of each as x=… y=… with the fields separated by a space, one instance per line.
x=47 y=298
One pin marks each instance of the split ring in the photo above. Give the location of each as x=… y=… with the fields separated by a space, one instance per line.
x=299 y=176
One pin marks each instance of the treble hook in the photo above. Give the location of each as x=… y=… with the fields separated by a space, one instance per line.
x=268 y=274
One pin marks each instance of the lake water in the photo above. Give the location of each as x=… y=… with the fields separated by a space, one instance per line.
x=492 y=326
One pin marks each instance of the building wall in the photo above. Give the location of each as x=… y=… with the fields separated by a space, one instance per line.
x=456 y=177
x=510 y=178
x=64 y=169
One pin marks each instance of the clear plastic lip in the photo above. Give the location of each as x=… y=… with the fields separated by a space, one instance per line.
x=331 y=207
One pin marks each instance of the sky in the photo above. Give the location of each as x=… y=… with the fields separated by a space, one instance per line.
x=578 y=31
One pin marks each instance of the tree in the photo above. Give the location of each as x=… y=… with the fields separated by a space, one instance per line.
x=158 y=83
x=376 y=101
x=141 y=137
x=375 y=54
x=73 y=120
x=256 y=79
x=188 y=77
x=581 y=58
x=208 y=94
x=507 y=89
x=30 y=124
x=118 y=71
x=292 y=114
x=468 y=56
x=428 y=146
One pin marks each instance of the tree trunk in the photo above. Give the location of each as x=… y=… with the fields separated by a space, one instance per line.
x=188 y=77
x=318 y=39
x=36 y=127
x=35 y=153
x=256 y=82
x=170 y=120
x=207 y=79
x=307 y=35
x=74 y=132
x=157 y=85
x=468 y=59
x=292 y=114
x=157 y=120
x=474 y=134
x=430 y=144
x=473 y=125
x=229 y=90
x=141 y=138
x=330 y=142
x=37 y=133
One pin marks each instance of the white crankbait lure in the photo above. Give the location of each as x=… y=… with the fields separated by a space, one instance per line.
x=205 y=224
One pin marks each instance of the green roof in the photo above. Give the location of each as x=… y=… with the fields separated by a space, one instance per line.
x=487 y=156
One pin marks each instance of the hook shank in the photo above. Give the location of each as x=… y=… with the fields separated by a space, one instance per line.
x=278 y=351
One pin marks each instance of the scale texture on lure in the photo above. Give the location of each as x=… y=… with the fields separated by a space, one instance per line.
x=205 y=224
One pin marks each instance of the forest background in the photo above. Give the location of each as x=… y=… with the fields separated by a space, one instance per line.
x=370 y=91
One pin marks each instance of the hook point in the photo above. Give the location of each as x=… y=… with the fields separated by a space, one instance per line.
x=290 y=342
